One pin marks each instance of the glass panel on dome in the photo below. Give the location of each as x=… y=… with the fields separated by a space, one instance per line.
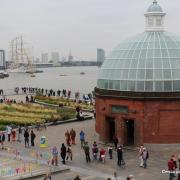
x=123 y=85
x=143 y=54
x=176 y=73
x=116 y=85
x=130 y=54
x=151 y=45
x=134 y=63
x=173 y=63
x=157 y=53
x=149 y=86
x=149 y=63
x=140 y=85
x=157 y=45
x=141 y=64
x=167 y=86
x=127 y=63
x=110 y=84
x=165 y=63
x=158 y=86
x=150 y=53
x=176 y=85
x=132 y=74
x=141 y=74
x=149 y=73
x=164 y=53
x=106 y=84
x=145 y=45
x=124 y=74
x=158 y=74
x=163 y=45
x=131 y=85
x=174 y=53
x=136 y=54
x=167 y=73
x=157 y=63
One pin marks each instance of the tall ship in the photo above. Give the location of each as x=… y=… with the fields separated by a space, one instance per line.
x=20 y=57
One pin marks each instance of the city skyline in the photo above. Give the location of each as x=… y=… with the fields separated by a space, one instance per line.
x=81 y=25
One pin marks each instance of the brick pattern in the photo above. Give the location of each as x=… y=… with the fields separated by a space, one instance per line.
x=155 y=120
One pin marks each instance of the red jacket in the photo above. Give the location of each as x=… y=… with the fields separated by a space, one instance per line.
x=171 y=166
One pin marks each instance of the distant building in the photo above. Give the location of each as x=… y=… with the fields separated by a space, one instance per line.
x=37 y=60
x=70 y=57
x=55 y=57
x=2 y=59
x=44 y=58
x=100 y=55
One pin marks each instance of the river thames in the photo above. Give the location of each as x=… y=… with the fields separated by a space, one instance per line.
x=56 y=78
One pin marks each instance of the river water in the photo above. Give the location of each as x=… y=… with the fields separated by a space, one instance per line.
x=51 y=78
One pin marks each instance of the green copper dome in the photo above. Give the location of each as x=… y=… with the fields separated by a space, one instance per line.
x=148 y=62
x=155 y=7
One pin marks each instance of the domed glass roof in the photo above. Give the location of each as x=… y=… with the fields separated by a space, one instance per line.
x=155 y=7
x=148 y=62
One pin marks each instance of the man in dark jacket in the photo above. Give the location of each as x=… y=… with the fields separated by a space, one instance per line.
x=26 y=138
x=119 y=155
x=86 y=151
x=63 y=153
x=33 y=136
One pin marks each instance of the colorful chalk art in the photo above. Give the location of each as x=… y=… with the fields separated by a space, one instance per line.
x=12 y=167
x=14 y=162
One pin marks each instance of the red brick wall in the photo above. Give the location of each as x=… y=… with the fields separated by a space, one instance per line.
x=156 y=121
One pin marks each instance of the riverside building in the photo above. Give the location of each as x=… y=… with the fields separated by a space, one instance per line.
x=138 y=87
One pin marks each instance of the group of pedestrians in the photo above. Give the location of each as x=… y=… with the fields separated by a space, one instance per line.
x=174 y=167
x=144 y=155
x=17 y=134
x=70 y=137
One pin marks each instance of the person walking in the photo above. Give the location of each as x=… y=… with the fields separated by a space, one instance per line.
x=26 y=138
x=73 y=136
x=110 y=151
x=69 y=153
x=145 y=156
x=33 y=136
x=140 y=155
x=19 y=134
x=68 y=138
x=171 y=168
x=115 y=140
x=55 y=156
x=82 y=138
x=9 y=130
x=63 y=153
x=3 y=137
x=119 y=155
x=95 y=150
x=86 y=151
x=179 y=167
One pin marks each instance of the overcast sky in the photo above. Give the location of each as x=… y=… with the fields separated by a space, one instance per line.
x=79 y=25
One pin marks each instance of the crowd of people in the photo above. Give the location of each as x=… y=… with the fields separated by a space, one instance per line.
x=50 y=92
x=20 y=133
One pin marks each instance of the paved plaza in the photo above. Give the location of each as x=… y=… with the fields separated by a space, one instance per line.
x=96 y=170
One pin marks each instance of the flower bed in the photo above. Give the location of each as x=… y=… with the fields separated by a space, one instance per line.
x=64 y=102
x=30 y=114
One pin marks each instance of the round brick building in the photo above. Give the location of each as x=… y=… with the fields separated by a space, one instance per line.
x=138 y=88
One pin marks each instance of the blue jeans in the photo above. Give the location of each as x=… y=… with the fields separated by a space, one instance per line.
x=144 y=163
